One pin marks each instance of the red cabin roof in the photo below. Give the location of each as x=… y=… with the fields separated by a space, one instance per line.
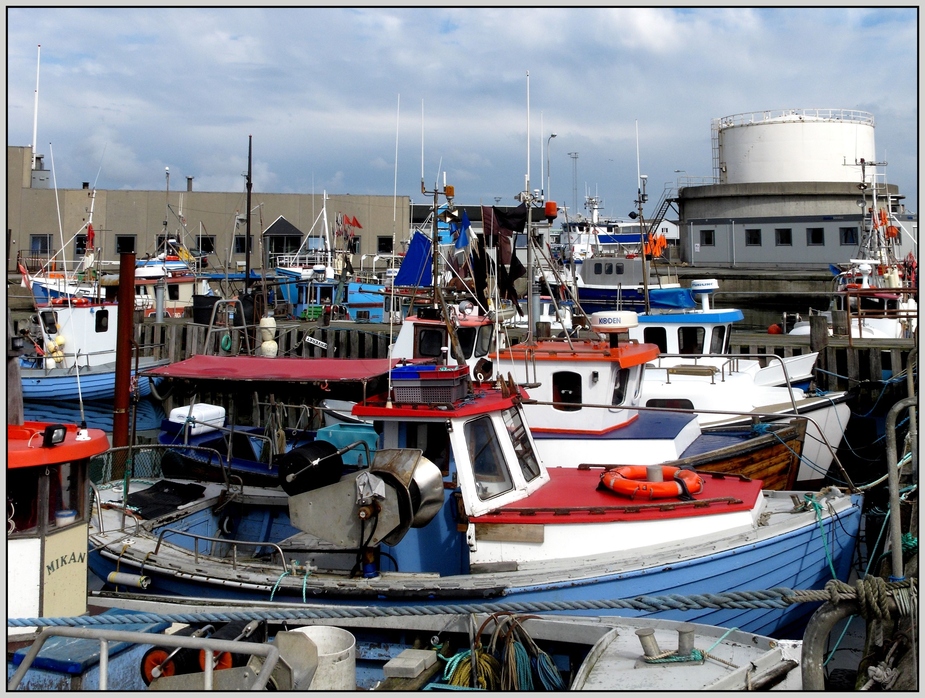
x=24 y=447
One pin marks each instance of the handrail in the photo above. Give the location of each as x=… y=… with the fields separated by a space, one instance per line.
x=106 y=635
x=234 y=545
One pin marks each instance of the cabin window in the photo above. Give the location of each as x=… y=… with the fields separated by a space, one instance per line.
x=523 y=447
x=690 y=340
x=101 y=320
x=431 y=341
x=707 y=238
x=671 y=403
x=35 y=495
x=783 y=237
x=49 y=321
x=433 y=440
x=483 y=346
x=488 y=465
x=566 y=391
x=608 y=268
x=619 y=267
x=658 y=336
x=848 y=236
x=718 y=340
x=598 y=268
x=466 y=338
x=815 y=237
x=173 y=292
x=620 y=386
x=753 y=237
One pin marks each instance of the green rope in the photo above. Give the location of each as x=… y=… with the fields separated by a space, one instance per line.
x=278 y=581
x=673 y=657
x=817 y=508
x=721 y=638
x=910 y=543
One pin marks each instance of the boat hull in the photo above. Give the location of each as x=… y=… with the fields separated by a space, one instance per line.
x=795 y=550
x=92 y=383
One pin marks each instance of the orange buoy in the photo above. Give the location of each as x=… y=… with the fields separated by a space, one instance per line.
x=630 y=481
x=775 y=329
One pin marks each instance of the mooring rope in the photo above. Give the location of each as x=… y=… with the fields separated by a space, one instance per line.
x=778 y=597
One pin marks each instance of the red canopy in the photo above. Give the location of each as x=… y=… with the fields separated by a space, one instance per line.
x=264 y=368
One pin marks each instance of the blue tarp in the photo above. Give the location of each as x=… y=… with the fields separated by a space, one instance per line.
x=671 y=298
x=417 y=266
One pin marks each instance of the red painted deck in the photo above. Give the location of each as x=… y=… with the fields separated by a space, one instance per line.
x=572 y=496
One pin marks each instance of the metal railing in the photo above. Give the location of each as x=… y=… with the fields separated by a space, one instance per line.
x=210 y=646
x=227 y=541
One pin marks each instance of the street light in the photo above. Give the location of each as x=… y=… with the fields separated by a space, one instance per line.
x=546 y=191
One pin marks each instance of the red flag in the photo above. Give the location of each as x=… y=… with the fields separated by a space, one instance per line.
x=356 y=223
x=90 y=236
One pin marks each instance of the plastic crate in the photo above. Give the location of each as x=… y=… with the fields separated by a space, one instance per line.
x=429 y=384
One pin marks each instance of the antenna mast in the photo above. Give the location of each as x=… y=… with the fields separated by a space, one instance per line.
x=35 y=118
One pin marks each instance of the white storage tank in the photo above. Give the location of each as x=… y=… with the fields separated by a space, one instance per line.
x=793 y=145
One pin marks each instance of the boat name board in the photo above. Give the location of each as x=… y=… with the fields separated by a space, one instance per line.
x=316 y=342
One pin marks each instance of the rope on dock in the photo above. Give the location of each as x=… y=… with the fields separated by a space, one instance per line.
x=778 y=597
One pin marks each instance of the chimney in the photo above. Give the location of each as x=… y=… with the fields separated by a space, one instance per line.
x=86 y=185
x=189 y=184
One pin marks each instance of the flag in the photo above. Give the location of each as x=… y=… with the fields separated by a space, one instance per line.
x=355 y=223
x=462 y=240
x=500 y=227
x=90 y=236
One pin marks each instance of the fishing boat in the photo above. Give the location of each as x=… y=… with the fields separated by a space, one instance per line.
x=47 y=511
x=215 y=440
x=876 y=290
x=456 y=507
x=695 y=370
x=72 y=353
x=429 y=652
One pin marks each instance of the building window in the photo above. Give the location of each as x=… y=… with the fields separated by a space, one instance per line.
x=707 y=238
x=353 y=244
x=239 y=244
x=206 y=244
x=848 y=236
x=783 y=237
x=753 y=237
x=40 y=244
x=815 y=237
x=384 y=244
x=80 y=244
x=125 y=244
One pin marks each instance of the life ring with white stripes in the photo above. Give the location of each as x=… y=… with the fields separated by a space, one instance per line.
x=630 y=481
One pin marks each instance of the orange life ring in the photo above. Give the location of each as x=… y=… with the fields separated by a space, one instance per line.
x=73 y=301
x=630 y=481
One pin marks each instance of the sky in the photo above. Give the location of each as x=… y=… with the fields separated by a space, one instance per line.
x=370 y=101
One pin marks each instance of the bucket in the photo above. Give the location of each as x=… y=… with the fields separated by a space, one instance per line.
x=336 y=658
x=65 y=517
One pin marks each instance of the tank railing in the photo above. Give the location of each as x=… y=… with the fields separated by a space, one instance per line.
x=227 y=541
x=210 y=646
x=768 y=115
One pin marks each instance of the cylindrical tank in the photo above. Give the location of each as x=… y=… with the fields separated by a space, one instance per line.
x=794 y=145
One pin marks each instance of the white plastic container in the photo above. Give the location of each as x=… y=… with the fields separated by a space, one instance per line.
x=205 y=417
x=336 y=658
x=65 y=517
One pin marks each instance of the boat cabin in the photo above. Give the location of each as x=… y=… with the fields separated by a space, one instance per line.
x=47 y=511
x=425 y=336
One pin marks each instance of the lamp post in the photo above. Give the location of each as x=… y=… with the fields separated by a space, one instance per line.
x=546 y=190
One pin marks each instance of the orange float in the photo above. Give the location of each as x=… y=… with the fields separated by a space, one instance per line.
x=630 y=481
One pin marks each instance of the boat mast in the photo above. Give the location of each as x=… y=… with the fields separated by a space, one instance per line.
x=641 y=198
x=247 y=223
x=35 y=117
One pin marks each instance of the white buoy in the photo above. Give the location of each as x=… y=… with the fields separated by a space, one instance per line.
x=267 y=329
x=269 y=348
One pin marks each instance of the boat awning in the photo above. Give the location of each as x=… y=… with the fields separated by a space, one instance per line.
x=266 y=369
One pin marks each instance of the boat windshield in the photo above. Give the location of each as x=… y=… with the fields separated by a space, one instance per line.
x=40 y=500
x=522 y=445
x=489 y=468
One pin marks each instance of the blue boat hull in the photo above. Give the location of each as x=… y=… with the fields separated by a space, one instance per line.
x=804 y=558
x=96 y=383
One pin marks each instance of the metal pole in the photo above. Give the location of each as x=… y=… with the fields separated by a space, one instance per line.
x=896 y=544
x=247 y=224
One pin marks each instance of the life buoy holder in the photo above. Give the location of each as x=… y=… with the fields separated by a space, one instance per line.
x=630 y=481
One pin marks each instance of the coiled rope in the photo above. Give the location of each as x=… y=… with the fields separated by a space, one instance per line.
x=778 y=597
